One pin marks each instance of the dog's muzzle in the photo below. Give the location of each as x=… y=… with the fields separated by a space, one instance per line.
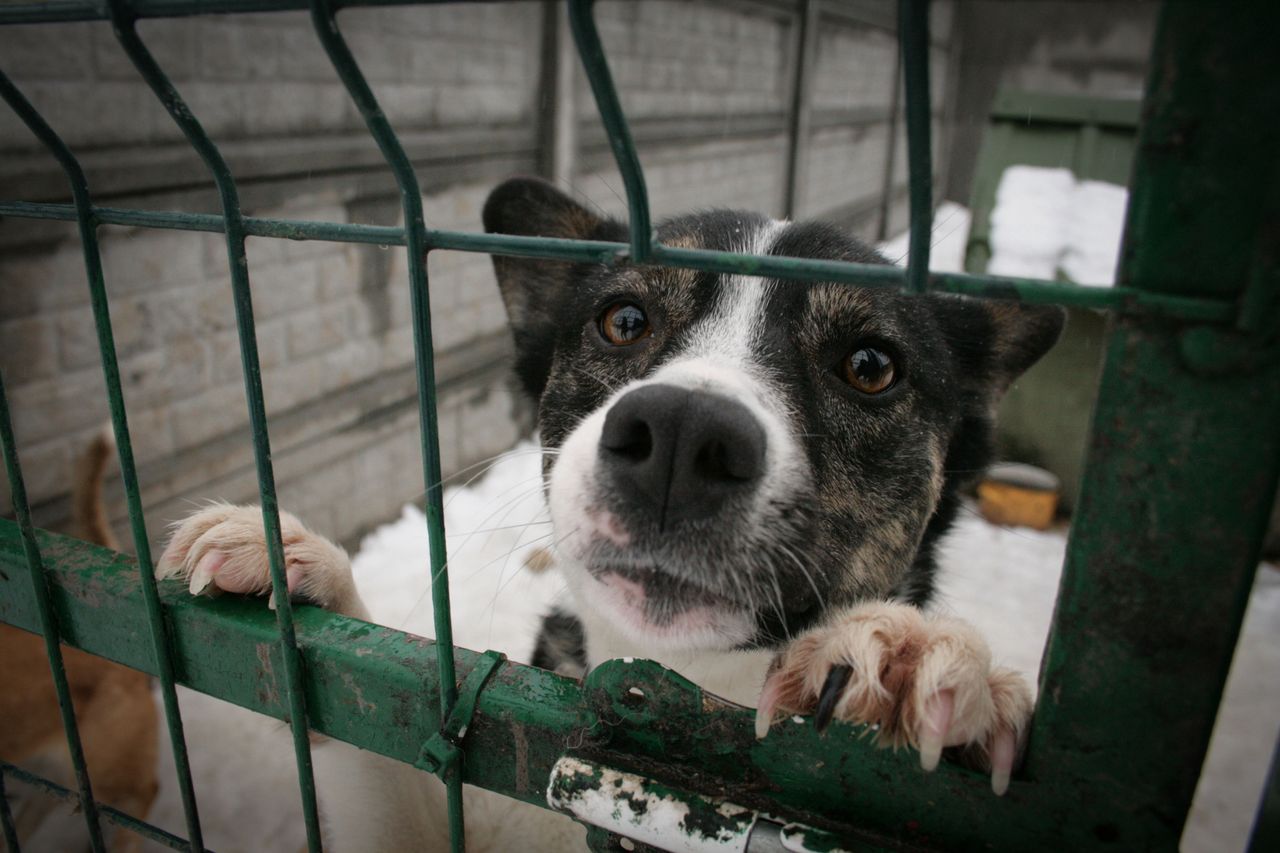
x=678 y=454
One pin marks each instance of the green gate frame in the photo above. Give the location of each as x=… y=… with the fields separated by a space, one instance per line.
x=1181 y=472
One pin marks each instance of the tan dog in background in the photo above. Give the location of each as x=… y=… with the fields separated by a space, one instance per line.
x=114 y=707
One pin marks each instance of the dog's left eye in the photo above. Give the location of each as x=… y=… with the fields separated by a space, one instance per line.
x=868 y=370
x=624 y=323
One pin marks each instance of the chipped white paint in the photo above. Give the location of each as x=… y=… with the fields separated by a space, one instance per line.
x=608 y=798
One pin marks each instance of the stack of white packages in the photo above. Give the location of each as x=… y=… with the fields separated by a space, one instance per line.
x=1046 y=224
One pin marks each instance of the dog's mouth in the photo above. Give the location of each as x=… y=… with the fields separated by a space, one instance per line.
x=653 y=586
x=650 y=603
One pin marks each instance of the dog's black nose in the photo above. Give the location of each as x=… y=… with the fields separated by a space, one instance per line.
x=681 y=453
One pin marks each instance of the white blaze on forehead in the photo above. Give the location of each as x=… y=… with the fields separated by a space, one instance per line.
x=736 y=322
x=719 y=354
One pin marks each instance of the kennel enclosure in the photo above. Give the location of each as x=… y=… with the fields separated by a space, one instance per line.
x=1180 y=475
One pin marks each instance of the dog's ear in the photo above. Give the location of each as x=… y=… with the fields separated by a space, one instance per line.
x=995 y=341
x=533 y=289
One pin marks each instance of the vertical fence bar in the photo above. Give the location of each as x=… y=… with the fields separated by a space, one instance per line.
x=335 y=46
x=800 y=114
x=1265 y=834
x=123 y=22
x=87 y=225
x=6 y=820
x=1184 y=452
x=48 y=624
x=587 y=37
x=913 y=32
x=344 y=63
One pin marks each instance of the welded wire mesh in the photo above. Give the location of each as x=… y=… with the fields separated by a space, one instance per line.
x=418 y=240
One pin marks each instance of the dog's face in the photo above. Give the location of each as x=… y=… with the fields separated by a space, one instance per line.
x=730 y=456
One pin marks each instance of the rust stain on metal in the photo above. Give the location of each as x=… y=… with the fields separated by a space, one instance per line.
x=365 y=707
x=86 y=587
x=522 y=757
x=270 y=693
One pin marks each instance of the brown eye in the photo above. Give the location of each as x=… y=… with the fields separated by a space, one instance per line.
x=869 y=370
x=624 y=323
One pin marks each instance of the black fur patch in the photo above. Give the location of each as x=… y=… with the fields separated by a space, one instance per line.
x=561 y=644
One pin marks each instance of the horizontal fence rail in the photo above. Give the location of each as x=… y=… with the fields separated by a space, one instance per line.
x=526 y=718
x=114 y=816
x=1127 y=703
x=1125 y=300
x=64 y=11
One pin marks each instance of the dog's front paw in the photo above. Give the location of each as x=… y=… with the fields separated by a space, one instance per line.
x=921 y=681
x=223 y=547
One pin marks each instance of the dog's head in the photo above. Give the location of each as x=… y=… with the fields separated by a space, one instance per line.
x=728 y=456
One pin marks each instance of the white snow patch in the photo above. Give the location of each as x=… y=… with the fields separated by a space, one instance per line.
x=1045 y=224
x=1004 y=581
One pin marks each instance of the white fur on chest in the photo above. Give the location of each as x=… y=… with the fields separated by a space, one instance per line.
x=733 y=675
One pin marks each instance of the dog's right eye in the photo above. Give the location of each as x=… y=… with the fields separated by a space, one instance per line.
x=624 y=323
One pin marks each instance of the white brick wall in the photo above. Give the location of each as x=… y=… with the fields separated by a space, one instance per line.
x=333 y=321
x=320 y=329
x=846 y=165
x=431 y=65
x=677 y=58
x=855 y=66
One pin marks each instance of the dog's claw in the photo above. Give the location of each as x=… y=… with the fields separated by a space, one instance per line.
x=1003 y=748
x=764 y=719
x=837 y=681
x=933 y=732
x=206 y=568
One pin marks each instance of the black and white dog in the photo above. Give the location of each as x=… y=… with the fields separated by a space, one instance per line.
x=747 y=481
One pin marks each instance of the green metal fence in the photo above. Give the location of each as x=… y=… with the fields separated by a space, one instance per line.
x=1182 y=468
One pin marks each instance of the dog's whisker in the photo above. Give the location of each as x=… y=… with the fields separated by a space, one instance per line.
x=492 y=606
x=592 y=375
x=934 y=241
x=500 y=527
x=502 y=570
x=576 y=189
x=805 y=572
x=506 y=509
x=488 y=464
x=512 y=506
x=456 y=549
x=423 y=597
x=611 y=189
